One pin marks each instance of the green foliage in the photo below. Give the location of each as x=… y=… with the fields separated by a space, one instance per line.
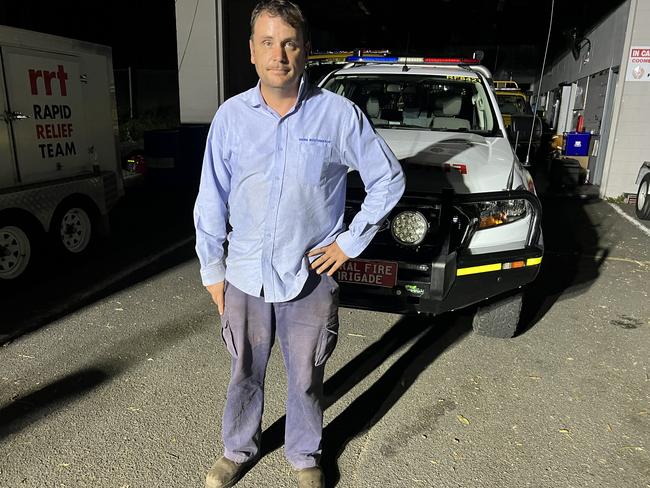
x=619 y=199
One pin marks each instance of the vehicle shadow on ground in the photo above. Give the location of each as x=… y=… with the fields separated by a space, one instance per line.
x=103 y=366
x=573 y=255
x=152 y=231
x=38 y=404
x=432 y=337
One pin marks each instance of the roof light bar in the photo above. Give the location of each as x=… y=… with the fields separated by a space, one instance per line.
x=410 y=60
x=506 y=85
x=328 y=56
x=343 y=55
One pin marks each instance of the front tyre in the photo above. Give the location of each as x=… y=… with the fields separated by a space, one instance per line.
x=498 y=317
x=642 y=201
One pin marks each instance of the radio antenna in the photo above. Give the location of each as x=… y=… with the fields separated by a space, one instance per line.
x=408 y=42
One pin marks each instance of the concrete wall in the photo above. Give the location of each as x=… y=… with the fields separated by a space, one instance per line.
x=199 y=59
x=607 y=41
x=629 y=146
x=213 y=55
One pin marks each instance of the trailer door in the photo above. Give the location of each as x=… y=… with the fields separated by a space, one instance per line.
x=8 y=176
x=46 y=114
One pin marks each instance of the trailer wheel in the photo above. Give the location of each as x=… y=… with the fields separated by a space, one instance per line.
x=499 y=317
x=642 y=200
x=15 y=251
x=72 y=228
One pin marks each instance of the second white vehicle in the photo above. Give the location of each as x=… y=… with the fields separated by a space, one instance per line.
x=642 y=200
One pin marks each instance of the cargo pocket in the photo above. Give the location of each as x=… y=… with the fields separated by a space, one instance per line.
x=334 y=290
x=226 y=332
x=327 y=342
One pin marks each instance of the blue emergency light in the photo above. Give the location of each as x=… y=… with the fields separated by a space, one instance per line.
x=371 y=59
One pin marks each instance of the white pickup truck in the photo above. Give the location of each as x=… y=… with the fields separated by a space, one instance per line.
x=59 y=165
x=468 y=228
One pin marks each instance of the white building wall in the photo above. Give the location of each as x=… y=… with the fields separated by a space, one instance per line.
x=629 y=144
x=607 y=41
x=199 y=59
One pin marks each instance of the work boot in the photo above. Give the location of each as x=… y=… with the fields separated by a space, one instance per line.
x=310 y=478
x=225 y=473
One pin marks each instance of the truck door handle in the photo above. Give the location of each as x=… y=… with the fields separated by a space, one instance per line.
x=16 y=116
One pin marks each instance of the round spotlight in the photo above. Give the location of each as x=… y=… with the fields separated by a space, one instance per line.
x=409 y=227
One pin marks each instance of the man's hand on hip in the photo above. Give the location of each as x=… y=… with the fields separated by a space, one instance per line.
x=332 y=257
x=216 y=292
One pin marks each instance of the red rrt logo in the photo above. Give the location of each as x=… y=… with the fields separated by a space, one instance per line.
x=47 y=77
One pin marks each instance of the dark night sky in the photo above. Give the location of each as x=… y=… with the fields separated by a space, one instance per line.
x=143 y=33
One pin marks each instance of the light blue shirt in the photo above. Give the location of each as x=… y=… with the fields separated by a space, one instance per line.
x=280 y=182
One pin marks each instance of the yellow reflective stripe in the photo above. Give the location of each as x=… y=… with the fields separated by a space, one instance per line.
x=486 y=268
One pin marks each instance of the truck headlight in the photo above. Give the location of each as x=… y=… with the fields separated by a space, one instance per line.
x=409 y=227
x=501 y=212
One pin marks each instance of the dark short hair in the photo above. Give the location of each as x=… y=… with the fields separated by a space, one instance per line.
x=286 y=10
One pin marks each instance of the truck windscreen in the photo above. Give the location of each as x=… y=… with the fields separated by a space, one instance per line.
x=439 y=103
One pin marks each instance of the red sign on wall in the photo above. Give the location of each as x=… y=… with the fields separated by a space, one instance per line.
x=638 y=64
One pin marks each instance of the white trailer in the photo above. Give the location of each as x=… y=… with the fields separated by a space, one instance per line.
x=59 y=166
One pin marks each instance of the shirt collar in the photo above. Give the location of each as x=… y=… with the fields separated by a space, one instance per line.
x=256 y=100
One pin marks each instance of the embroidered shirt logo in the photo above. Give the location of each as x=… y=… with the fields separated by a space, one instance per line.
x=314 y=139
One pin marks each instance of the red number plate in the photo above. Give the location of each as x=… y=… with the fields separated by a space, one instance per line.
x=367 y=272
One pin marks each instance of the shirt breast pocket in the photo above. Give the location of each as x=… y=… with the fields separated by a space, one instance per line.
x=312 y=158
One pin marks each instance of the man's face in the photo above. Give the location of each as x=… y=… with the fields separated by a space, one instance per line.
x=278 y=52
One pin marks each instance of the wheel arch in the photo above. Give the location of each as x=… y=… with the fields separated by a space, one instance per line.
x=19 y=216
x=643 y=170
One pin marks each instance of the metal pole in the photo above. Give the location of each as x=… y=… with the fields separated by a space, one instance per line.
x=541 y=78
x=221 y=51
x=130 y=95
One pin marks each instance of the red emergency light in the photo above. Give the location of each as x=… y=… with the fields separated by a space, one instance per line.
x=452 y=60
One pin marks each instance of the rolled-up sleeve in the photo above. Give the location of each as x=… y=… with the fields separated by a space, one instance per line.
x=382 y=175
x=211 y=207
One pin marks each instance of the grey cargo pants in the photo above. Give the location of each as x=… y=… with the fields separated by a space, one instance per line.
x=307 y=329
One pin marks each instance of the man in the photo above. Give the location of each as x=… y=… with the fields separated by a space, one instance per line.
x=275 y=169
